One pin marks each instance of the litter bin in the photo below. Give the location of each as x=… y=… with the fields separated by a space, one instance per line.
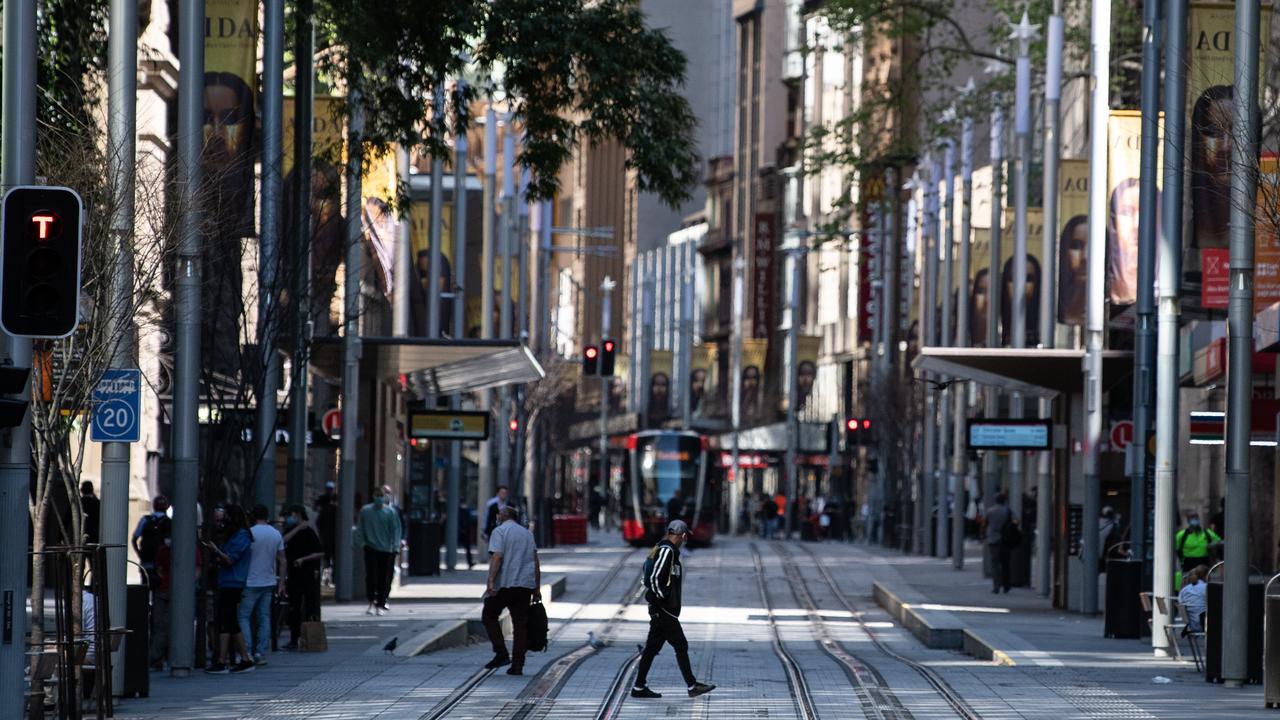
x=1213 y=628
x=1271 y=649
x=137 y=643
x=1124 y=616
x=424 y=547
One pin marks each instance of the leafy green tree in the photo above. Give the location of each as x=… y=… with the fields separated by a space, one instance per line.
x=573 y=71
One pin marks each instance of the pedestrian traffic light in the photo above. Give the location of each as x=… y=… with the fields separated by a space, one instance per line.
x=513 y=425
x=40 y=261
x=608 y=353
x=590 y=360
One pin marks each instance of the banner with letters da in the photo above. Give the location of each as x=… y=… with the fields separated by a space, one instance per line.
x=1073 y=240
x=230 y=95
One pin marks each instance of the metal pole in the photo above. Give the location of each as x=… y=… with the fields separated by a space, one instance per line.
x=1100 y=109
x=485 y=484
x=606 y=289
x=1165 y=513
x=960 y=459
x=795 y=255
x=735 y=408
x=990 y=462
x=1144 y=339
x=1024 y=32
x=264 y=435
x=545 y=344
x=186 y=431
x=928 y=304
x=1048 y=283
x=686 y=339
x=505 y=230
x=436 y=267
x=122 y=51
x=945 y=484
x=404 y=263
x=521 y=331
x=304 y=99
x=18 y=168
x=454 y=496
x=1244 y=192
x=351 y=349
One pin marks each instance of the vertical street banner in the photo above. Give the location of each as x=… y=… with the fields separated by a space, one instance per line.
x=980 y=286
x=1124 y=163
x=659 y=401
x=230 y=92
x=1266 y=248
x=328 y=226
x=763 y=272
x=1073 y=241
x=1031 y=316
x=380 y=222
x=703 y=378
x=754 y=354
x=1210 y=74
x=807 y=347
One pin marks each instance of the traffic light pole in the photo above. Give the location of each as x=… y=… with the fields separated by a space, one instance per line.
x=1048 y=283
x=303 y=98
x=607 y=288
x=485 y=482
x=186 y=397
x=960 y=459
x=18 y=150
x=735 y=370
x=453 y=498
x=122 y=96
x=343 y=561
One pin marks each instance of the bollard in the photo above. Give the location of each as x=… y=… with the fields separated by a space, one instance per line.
x=1271 y=646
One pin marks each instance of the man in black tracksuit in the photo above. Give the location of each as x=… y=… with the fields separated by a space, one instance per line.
x=663 y=575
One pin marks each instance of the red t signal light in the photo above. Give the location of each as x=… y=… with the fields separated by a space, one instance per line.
x=40 y=230
x=607 y=357
x=513 y=425
x=590 y=360
x=857 y=431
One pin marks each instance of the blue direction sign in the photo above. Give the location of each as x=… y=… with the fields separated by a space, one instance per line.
x=117 y=404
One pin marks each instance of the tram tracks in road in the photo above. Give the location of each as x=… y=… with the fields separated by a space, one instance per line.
x=953 y=699
x=552 y=676
x=796 y=683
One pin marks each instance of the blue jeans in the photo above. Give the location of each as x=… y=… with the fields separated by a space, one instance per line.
x=256 y=601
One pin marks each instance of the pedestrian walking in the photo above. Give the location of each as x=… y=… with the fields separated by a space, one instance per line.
x=998 y=522
x=266 y=576
x=232 y=555
x=768 y=516
x=378 y=530
x=492 y=508
x=515 y=579
x=303 y=555
x=663 y=577
x=90 y=508
x=1195 y=542
x=149 y=534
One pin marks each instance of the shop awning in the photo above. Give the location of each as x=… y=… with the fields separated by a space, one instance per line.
x=1035 y=372
x=446 y=366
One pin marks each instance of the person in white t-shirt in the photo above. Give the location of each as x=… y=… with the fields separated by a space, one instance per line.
x=266 y=575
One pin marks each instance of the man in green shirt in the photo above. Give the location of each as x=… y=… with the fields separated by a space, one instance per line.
x=378 y=530
x=1195 y=542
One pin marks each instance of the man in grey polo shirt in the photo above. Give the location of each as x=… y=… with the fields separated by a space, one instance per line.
x=515 y=577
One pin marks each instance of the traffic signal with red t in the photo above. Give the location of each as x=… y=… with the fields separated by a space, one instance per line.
x=40 y=261
x=608 y=353
x=590 y=360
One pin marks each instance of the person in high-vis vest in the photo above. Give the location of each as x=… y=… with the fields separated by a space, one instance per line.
x=1194 y=543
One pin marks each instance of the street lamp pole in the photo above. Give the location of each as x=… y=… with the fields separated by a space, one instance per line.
x=735 y=409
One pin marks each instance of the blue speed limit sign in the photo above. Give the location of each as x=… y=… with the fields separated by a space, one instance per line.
x=117 y=402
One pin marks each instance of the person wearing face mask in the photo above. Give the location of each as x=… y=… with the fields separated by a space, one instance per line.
x=1195 y=542
x=378 y=530
x=303 y=553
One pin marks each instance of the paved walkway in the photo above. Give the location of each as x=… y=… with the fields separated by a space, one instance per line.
x=1062 y=667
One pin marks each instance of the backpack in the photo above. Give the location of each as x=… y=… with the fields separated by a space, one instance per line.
x=154 y=532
